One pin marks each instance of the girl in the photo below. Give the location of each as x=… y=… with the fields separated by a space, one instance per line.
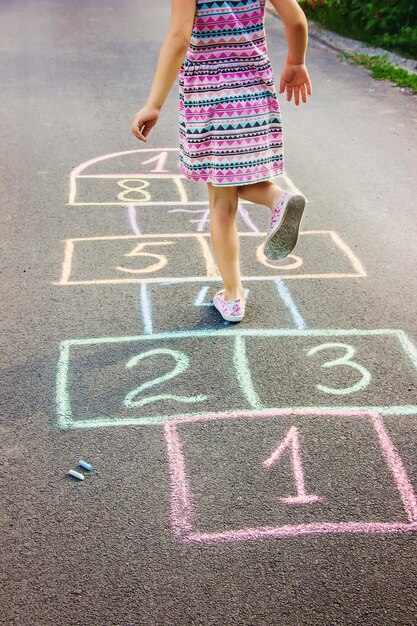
x=230 y=131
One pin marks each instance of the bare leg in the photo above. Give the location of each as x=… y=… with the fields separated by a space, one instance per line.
x=224 y=237
x=265 y=192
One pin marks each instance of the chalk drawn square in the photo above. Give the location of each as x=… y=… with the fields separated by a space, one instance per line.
x=119 y=190
x=135 y=259
x=145 y=379
x=352 y=369
x=319 y=254
x=170 y=218
x=222 y=491
x=193 y=304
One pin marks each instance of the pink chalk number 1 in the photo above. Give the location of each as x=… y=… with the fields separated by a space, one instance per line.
x=292 y=441
x=159 y=159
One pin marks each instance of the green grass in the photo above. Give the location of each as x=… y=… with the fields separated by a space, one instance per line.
x=382 y=69
x=379 y=23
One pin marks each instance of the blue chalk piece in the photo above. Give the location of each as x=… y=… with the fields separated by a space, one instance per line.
x=76 y=474
x=85 y=465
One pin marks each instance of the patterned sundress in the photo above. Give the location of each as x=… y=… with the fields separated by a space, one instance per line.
x=230 y=127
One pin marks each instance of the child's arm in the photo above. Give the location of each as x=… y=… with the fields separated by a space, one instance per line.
x=296 y=29
x=294 y=76
x=170 y=60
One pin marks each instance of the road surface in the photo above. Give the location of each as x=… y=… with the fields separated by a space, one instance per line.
x=256 y=474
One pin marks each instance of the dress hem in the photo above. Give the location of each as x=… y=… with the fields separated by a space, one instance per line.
x=274 y=172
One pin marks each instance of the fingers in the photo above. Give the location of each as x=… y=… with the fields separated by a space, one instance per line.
x=305 y=89
x=142 y=129
x=136 y=130
x=148 y=128
x=297 y=95
x=303 y=93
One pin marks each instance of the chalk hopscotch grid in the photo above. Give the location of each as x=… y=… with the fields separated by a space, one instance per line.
x=205 y=217
x=202 y=238
x=146 y=309
x=178 y=178
x=287 y=299
x=182 y=498
x=63 y=400
x=283 y=292
x=181 y=503
x=76 y=174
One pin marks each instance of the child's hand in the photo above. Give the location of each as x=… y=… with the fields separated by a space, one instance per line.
x=143 y=122
x=295 y=77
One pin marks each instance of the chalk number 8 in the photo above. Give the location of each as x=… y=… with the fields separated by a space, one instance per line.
x=139 y=193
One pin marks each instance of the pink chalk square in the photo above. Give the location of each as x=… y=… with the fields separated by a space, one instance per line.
x=183 y=500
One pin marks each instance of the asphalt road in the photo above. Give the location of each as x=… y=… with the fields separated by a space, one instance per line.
x=263 y=473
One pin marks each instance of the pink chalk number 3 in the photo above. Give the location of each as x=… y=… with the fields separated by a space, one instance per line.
x=292 y=442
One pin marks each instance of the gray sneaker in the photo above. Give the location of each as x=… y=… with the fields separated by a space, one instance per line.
x=283 y=230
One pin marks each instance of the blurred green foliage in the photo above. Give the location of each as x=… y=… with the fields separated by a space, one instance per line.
x=389 y=24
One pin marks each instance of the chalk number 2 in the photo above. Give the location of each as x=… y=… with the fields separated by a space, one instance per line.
x=346 y=359
x=182 y=363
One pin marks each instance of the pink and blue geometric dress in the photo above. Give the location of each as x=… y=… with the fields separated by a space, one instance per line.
x=230 y=126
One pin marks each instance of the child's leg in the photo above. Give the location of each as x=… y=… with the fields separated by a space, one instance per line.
x=223 y=208
x=265 y=192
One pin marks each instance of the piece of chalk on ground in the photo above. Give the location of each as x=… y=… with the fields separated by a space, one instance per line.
x=85 y=465
x=76 y=474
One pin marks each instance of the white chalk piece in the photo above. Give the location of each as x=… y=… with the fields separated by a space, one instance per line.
x=76 y=474
x=85 y=465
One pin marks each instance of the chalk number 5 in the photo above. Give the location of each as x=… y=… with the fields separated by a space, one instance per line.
x=138 y=251
x=346 y=359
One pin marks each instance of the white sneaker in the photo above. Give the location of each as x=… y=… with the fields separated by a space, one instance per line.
x=230 y=310
x=283 y=228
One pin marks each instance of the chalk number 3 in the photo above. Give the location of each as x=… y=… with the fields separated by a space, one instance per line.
x=346 y=359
